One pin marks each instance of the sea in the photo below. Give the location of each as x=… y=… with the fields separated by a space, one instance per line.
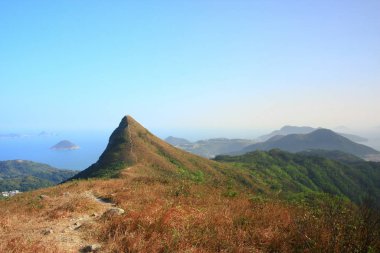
x=36 y=148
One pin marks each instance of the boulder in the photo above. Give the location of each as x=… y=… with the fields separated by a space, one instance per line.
x=91 y=248
x=114 y=211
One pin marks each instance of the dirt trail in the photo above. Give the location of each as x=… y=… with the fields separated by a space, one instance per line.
x=76 y=233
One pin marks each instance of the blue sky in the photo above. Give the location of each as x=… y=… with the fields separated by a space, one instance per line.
x=212 y=66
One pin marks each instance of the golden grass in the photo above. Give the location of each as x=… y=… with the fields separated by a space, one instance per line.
x=172 y=217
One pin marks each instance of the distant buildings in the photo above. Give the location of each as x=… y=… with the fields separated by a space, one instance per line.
x=10 y=193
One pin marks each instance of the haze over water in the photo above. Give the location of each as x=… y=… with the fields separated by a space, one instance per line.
x=37 y=149
x=92 y=144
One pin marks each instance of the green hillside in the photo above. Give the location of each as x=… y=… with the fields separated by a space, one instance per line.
x=135 y=152
x=149 y=196
x=292 y=175
x=133 y=149
x=27 y=175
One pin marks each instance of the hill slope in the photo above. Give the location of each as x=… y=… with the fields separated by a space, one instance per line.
x=133 y=148
x=27 y=175
x=173 y=201
x=135 y=152
x=323 y=139
x=308 y=172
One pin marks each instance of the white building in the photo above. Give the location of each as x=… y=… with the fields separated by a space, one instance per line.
x=10 y=193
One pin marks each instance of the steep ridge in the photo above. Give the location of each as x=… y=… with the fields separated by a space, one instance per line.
x=131 y=146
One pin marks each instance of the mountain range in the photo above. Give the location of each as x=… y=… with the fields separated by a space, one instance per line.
x=145 y=195
x=285 y=130
x=319 y=139
x=132 y=149
x=211 y=147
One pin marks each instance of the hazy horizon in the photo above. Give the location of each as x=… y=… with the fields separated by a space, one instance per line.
x=205 y=68
x=192 y=134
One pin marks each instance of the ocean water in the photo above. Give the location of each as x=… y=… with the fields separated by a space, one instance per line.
x=37 y=148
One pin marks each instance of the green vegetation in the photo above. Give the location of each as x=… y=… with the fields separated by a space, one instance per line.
x=297 y=175
x=26 y=175
x=117 y=155
x=106 y=171
x=178 y=202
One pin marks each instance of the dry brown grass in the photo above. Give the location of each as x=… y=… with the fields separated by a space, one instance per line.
x=22 y=245
x=176 y=202
x=174 y=217
x=197 y=218
x=24 y=217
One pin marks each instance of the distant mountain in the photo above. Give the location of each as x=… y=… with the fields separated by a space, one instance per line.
x=354 y=138
x=177 y=141
x=169 y=200
x=135 y=153
x=11 y=136
x=285 y=130
x=27 y=175
x=323 y=139
x=211 y=147
x=65 y=145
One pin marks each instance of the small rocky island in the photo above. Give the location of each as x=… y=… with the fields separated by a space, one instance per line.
x=65 y=145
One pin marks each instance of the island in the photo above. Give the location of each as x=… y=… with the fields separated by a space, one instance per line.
x=65 y=145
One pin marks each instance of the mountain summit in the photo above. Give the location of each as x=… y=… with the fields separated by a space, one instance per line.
x=321 y=138
x=119 y=151
x=133 y=149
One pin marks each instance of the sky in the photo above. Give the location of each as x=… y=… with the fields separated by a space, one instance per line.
x=212 y=67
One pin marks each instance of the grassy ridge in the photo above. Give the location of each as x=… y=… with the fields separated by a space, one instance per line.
x=296 y=174
x=178 y=202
